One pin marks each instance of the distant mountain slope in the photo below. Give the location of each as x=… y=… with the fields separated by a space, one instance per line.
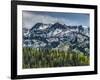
x=57 y=36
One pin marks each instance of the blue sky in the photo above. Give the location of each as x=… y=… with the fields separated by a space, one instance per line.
x=30 y=18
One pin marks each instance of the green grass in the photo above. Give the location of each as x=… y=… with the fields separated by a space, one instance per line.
x=41 y=58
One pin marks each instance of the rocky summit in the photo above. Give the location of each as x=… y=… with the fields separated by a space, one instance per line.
x=57 y=36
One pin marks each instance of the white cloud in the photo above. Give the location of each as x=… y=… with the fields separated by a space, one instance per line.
x=30 y=19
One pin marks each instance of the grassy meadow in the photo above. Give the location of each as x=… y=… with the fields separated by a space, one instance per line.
x=41 y=58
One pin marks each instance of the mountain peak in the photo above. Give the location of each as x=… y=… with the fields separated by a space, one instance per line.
x=36 y=26
x=52 y=35
x=58 y=25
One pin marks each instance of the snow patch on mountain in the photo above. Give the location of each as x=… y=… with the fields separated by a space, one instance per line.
x=57 y=35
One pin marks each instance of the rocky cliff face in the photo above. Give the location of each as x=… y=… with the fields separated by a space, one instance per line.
x=57 y=36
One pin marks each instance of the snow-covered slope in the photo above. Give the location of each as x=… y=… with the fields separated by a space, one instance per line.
x=54 y=35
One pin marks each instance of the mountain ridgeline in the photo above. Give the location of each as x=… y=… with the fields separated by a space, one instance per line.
x=57 y=36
